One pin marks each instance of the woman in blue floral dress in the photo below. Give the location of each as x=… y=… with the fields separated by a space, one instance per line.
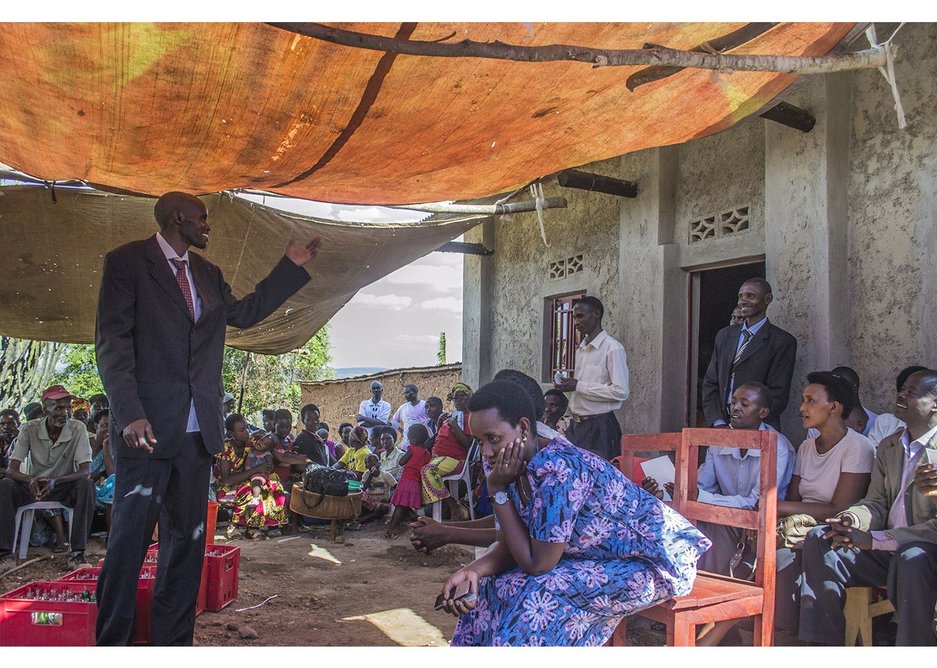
x=579 y=545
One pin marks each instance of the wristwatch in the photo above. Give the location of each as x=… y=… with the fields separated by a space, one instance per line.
x=499 y=498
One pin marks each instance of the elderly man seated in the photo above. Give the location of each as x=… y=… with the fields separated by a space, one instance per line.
x=57 y=455
x=889 y=538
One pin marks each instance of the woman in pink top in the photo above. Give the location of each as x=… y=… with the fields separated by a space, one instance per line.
x=831 y=473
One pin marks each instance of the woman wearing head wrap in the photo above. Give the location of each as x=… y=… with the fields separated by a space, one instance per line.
x=355 y=457
x=450 y=448
x=81 y=410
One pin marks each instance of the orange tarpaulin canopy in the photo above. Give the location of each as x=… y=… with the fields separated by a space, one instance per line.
x=148 y=108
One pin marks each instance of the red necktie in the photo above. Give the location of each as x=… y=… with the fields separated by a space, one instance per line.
x=183 y=280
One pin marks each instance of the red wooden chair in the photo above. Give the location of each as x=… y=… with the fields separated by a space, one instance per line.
x=715 y=597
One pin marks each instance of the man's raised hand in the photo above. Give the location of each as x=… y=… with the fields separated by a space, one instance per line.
x=301 y=253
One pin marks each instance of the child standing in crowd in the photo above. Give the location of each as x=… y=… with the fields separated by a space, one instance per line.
x=409 y=494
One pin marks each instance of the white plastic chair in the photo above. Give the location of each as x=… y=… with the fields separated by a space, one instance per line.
x=24 y=516
x=465 y=475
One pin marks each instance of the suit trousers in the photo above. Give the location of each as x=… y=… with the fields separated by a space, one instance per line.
x=600 y=434
x=909 y=576
x=175 y=492
x=725 y=541
x=76 y=494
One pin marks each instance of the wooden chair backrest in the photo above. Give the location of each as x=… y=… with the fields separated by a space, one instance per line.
x=686 y=445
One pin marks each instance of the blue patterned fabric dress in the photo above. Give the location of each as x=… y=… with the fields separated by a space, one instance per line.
x=625 y=551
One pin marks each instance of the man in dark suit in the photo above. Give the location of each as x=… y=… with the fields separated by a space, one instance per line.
x=159 y=339
x=755 y=351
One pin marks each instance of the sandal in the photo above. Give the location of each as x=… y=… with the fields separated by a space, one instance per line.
x=62 y=548
x=275 y=532
x=77 y=560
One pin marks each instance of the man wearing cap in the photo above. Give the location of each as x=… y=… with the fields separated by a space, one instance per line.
x=228 y=403
x=57 y=454
x=374 y=412
x=159 y=340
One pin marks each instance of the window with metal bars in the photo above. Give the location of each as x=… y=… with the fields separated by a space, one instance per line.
x=564 y=339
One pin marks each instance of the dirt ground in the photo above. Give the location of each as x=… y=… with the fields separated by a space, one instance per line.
x=366 y=592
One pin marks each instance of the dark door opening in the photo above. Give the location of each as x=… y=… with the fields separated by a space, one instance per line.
x=713 y=298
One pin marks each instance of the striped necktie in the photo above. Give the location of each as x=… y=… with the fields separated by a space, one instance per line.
x=183 y=280
x=746 y=337
x=730 y=388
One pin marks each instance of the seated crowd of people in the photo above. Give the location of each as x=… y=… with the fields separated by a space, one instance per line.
x=857 y=500
x=400 y=460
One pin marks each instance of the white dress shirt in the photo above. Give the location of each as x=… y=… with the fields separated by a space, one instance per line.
x=728 y=479
x=171 y=254
x=886 y=424
x=601 y=375
x=897 y=516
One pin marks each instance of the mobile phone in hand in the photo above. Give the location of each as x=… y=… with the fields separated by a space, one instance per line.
x=462 y=593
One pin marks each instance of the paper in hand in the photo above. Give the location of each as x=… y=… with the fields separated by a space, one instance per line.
x=662 y=470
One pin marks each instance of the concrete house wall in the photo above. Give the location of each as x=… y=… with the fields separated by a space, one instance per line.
x=842 y=216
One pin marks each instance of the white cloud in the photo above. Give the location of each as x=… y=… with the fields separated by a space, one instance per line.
x=440 y=277
x=418 y=338
x=442 y=304
x=393 y=302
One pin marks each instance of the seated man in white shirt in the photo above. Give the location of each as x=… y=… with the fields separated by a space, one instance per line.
x=729 y=477
x=887 y=424
x=889 y=538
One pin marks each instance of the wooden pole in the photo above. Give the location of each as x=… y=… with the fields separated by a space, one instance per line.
x=650 y=55
x=573 y=178
x=488 y=209
x=791 y=116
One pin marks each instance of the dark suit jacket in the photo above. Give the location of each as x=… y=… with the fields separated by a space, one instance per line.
x=768 y=359
x=154 y=359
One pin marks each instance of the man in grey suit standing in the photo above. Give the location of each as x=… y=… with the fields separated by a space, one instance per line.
x=159 y=339
x=754 y=351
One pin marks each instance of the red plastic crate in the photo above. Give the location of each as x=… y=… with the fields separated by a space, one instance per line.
x=210 y=521
x=150 y=561
x=145 y=586
x=26 y=622
x=222 y=563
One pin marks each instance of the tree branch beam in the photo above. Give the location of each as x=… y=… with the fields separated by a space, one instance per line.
x=650 y=55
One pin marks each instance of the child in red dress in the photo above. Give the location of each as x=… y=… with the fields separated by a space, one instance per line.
x=409 y=493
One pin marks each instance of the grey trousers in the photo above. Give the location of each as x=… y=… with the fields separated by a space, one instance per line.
x=909 y=576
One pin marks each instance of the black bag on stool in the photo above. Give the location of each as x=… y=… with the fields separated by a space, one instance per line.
x=325 y=480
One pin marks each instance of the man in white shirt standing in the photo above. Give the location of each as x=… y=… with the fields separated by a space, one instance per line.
x=600 y=385
x=374 y=412
x=412 y=411
x=889 y=538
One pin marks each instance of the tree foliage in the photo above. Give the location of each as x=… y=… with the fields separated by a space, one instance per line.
x=77 y=370
x=272 y=381
x=441 y=353
x=25 y=369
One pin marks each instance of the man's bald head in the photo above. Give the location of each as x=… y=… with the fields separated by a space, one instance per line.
x=174 y=201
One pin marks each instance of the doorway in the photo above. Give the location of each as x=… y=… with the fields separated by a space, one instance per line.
x=713 y=297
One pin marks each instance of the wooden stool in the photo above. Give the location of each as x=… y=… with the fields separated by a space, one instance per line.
x=862 y=605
